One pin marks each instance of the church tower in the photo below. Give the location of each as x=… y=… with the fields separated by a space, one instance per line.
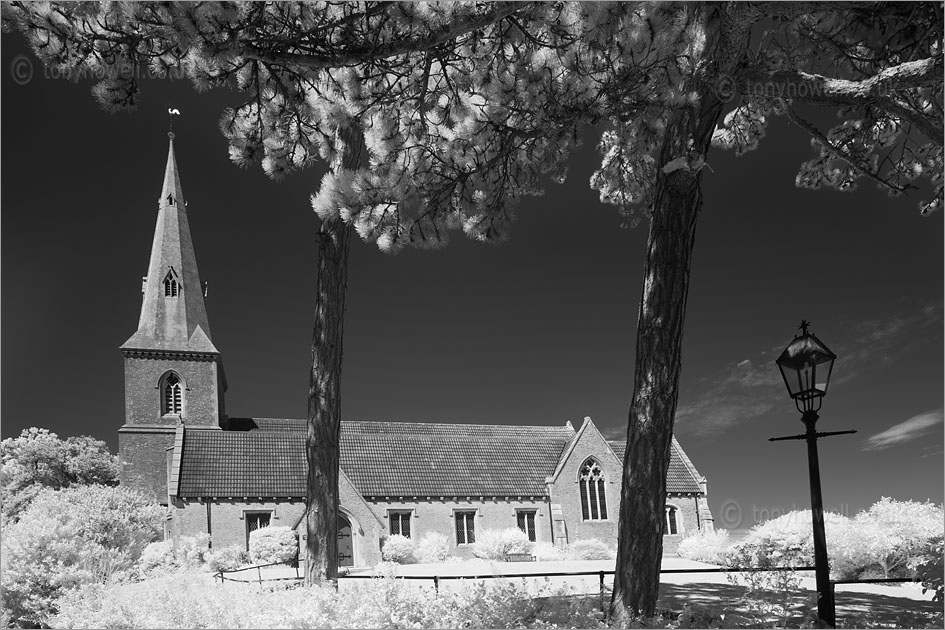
x=173 y=372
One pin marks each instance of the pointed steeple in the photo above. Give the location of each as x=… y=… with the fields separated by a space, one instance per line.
x=173 y=313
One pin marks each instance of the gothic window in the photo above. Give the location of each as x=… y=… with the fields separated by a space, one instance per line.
x=172 y=395
x=671 y=525
x=171 y=286
x=465 y=527
x=526 y=523
x=593 y=495
x=400 y=522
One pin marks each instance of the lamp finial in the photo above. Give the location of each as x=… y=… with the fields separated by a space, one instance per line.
x=803 y=326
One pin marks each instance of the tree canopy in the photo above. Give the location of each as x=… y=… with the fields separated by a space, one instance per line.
x=39 y=459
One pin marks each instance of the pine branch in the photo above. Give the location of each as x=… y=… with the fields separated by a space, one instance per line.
x=843 y=155
x=450 y=31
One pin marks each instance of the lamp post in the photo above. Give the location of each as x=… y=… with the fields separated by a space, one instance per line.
x=806 y=365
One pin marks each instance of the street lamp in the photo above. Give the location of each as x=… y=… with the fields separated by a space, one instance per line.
x=806 y=365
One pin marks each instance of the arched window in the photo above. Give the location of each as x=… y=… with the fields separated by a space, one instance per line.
x=672 y=527
x=172 y=395
x=593 y=495
x=171 y=286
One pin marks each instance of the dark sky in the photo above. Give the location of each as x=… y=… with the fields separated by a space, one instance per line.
x=539 y=330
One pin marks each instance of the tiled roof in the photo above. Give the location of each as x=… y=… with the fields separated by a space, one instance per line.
x=681 y=478
x=265 y=457
x=267 y=424
x=243 y=463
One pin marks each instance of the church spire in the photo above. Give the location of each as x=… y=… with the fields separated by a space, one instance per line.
x=173 y=313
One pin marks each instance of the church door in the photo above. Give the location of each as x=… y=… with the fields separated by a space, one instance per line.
x=345 y=545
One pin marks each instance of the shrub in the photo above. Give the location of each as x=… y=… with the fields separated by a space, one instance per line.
x=546 y=552
x=786 y=541
x=166 y=555
x=900 y=531
x=226 y=558
x=192 y=600
x=268 y=545
x=432 y=547
x=590 y=549
x=929 y=569
x=708 y=545
x=38 y=459
x=70 y=537
x=887 y=540
x=399 y=549
x=494 y=544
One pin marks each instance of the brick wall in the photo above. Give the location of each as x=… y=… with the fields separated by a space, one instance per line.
x=142 y=460
x=565 y=489
x=202 y=394
x=438 y=516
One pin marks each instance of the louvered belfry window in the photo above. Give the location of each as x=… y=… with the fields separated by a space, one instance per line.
x=173 y=395
x=593 y=495
x=171 y=286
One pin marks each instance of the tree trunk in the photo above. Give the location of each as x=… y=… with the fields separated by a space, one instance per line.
x=322 y=445
x=678 y=199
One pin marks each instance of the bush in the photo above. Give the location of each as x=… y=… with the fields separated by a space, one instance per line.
x=227 y=558
x=900 y=533
x=192 y=600
x=268 y=545
x=930 y=571
x=399 y=549
x=786 y=541
x=708 y=545
x=494 y=544
x=432 y=547
x=887 y=540
x=38 y=459
x=166 y=555
x=590 y=549
x=70 y=537
x=546 y=552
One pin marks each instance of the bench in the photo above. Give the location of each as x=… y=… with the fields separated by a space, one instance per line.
x=519 y=557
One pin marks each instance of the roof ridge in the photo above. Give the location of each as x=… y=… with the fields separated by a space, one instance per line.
x=556 y=427
x=461 y=424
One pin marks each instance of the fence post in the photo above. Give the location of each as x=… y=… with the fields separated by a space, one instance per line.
x=259 y=575
x=436 y=584
x=602 y=591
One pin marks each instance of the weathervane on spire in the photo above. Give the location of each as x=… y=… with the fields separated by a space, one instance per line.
x=171 y=112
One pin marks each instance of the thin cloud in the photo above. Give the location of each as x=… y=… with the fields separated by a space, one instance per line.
x=745 y=390
x=910 y=429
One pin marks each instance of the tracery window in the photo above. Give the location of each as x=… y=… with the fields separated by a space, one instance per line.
x=593 y=492
x=172 y=400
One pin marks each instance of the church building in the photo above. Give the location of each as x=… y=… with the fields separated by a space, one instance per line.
x=228 y=476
